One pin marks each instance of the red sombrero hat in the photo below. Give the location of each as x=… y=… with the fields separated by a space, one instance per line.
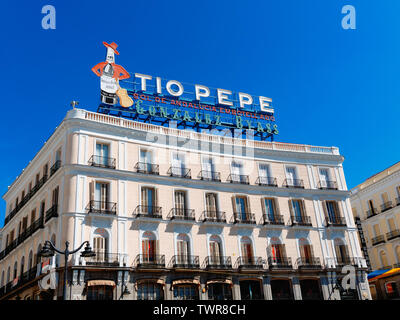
x=113 y=46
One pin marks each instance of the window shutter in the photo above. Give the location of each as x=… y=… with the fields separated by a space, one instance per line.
x=291 y=207
x=283 y=250
x=337 y=210
x=157 y=247
x=303 y=208
x=91 y=190
x=234 y=204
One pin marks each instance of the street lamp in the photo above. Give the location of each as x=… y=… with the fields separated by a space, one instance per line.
x=49 y=249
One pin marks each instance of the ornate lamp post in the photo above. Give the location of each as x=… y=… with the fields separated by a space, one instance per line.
x=49 y=249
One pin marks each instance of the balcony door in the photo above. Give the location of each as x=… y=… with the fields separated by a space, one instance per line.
x=247 y=250
x=180 y=203
x=146 y=160
x=102 y=153
x=178 y=164
x=208 y=168
x=332 y=210
x=297 y=210
x=241 y=208
x=211 y=205
x=269 y=206
x=148 y=200
x=101 y=193
x=342 y=255
x=277 y=252
x=263 y=171
x=215 y=250
x=149 y=247
x=306 y=251
x=290 y=175
x=324 y=176
x=100 y=248
x=183 y=249
x=237 y=171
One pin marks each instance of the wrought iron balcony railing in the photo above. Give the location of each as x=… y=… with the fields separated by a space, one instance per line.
x=102 y=207
x=327 y=185
x=335 y=221
x=55 y=167
x=52 y=212
x=148 y=212
x=393 y=234
x=181 y=214
x=276 y=219
x=371 y=212
x=243 y=217
x=149 y=168
x=386 y=206
x=293 y=183
x=378 y=239
x=244 y=262
x=102 y=162
x=300 y=221
x=209 y=175
x=238 y=178
x=213 y=216
x=313 y=263
x=103 y=259
x=280 y=263
x=149 y=261
x=217 y=262
x=20 y=281
x=340 y=262
x=180 y=172
x=267 y=181
x=185 y=261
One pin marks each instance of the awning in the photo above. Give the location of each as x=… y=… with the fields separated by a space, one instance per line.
x=101 y=283
x=226 y=281
x=158 y=281
x=377 y=274
x=185 y=281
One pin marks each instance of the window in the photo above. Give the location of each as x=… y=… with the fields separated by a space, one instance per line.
x=148 y=200
x=384 y=259
x=281 y=290
x=150 y=291
x=250 y=290
x=45 y=170
x=101 y=194
x=306 y=251
x=100 y=293
x=215 y=250
x=208 y=168
x=211 y=205
x=102 y=153
x=247 y=250
x=54 y=198
x=291 y=175
x=183 y=249
x=149 y=247
x=146 y=161
x=342 y=256
x=180 y=203
x=332 y=210
x=178 y=164
x=219 y=291
x=269 y=208
x=186 y=292
x=33 y=216
x=310 y=289
x=324 y=177
x=241 y=208
x=42 y=209
x=264 y=174
x=297 y=210
x=237 y=172
x=100 y=245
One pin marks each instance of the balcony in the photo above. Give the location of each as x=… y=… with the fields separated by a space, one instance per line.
x=371 y=212
x=26 y=277
x=102 y=162
x=280 y=263
x=345 y=261
x=150 y=261
x=304 y=221
x=218 y=263
x=180 y=172
x=327 y=185
x=152 y=212
x=313 y=263
x=213 y=216
x=181 y=214
x=393 y=234
x=209 y=176
x=293 y=183
x=243 y=218
x=25 y=199
x=238 y=178
x=148 y=168
x=386 y=206
x=276 y=219
x=36 y=225
x=267 y=181
x=335 y=222
x=55 y=167
x=51 y=213
x=186 y=262
x=378 y=239
x=102 y=207
x=244 y=262
x=103 y=259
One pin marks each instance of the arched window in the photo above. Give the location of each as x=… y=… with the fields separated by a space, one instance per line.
x=30 y=260
x=15 y=273
x=276 y=251
x=342 y=255
x=216 y=254
x=306 y=251
x=183 y=249
x=247 y=249
x=100 y=244
x=22 y=266
x=383 y=258
x=149 y=247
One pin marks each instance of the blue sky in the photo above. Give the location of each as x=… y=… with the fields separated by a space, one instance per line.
x=330 y=86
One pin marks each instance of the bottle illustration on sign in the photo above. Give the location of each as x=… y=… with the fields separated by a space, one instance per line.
x=110 y=74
